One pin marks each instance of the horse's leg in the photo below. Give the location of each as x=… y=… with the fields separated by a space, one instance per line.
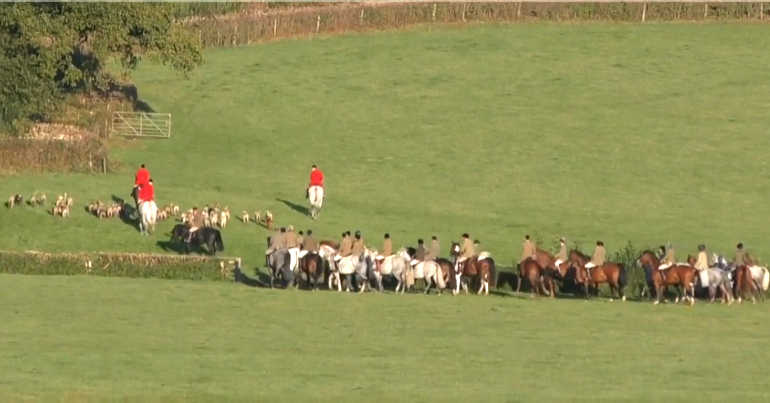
x=428 y=283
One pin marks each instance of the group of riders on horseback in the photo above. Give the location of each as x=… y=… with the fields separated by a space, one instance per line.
x=661 y=270
x=290 y=255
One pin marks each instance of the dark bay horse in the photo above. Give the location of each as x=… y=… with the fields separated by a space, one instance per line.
x=313 y=266
x=537 y=276
x=210 y=237
x=614 y=274
x=681 y=276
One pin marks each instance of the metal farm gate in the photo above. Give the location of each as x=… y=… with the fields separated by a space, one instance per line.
x=141 y=124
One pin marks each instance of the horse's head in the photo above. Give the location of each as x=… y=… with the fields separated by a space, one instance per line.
x=455 y=249
x=649 y=259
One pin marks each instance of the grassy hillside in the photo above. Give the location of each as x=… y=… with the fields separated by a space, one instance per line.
x=97 y=339
x=614 y=132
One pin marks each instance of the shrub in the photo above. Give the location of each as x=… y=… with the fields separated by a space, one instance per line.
x=115 y=265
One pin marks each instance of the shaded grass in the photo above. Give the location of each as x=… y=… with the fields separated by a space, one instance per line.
x=646 y=133
x=97 y=339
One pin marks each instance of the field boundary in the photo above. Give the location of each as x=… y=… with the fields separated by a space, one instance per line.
x=257 y=25
x=120 y=264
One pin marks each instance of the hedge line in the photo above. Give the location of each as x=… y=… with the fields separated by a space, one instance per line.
x=296 y=20
x=116 y=265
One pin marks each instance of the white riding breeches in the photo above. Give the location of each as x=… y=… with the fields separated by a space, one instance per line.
x=590 y=265
x=558 y=263
x=665 y=266
x=316 y=195
x=293 y=252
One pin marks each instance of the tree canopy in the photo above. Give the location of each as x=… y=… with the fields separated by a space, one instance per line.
x=48 y=49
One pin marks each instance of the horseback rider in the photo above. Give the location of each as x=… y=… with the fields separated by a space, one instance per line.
x=419 y=253
x=597 y=260
x=741 y=257
x=528 y=250
x=669 y=259
x=387 y=248
x=315 y=188
x=358 y=246
x=146 y=192
x=300 y=238
x=435 y=248
x=291 y=243
x=346 y=246
x=196 y=221
x=277 y=242
x=561 y=257
x=466 y=250
x=140 y=179
x=309 y=243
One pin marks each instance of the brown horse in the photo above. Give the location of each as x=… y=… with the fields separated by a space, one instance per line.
x=312 y=265
x=744 y=284
x=681 y=276
x=538 y=279
x=614 y=274
x=473 y=270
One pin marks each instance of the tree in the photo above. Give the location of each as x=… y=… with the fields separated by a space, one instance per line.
x=49 y=49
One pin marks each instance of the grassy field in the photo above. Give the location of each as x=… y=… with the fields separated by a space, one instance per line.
x=95 y=339
x=617 y=132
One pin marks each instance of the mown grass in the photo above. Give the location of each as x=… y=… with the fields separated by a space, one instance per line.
x=96 y=339
x=617 y=132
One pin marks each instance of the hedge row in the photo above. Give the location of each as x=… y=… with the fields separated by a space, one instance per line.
x=301 y=20
x=116 y=265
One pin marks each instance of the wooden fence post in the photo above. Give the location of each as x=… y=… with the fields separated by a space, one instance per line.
x=518 y=10
x=434 y=12
x=761 y=10
x=318 y=24
x=275 y=26
x=464 y=4
x=705 y=10
x=644 y=11
x=362 y=16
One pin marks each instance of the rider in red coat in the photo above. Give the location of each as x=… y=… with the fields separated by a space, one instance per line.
x=316 y=177
x=147 y=192
x=142 y=176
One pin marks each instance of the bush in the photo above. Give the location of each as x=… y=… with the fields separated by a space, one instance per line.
x=114 y=265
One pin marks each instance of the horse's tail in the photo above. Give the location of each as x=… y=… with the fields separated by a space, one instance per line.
x=765 y=280
x=492 y=274
x=218 y=244
x=622 y=278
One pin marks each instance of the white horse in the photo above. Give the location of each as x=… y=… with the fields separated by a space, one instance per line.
x=148 y=212
x=719 y=279
x=430 y=271
x=316 y=196
x=395 y=265
x=761 y=277
x=352 y=265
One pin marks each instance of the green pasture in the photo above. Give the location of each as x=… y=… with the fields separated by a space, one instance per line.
x=80 y=338
x=619 y=132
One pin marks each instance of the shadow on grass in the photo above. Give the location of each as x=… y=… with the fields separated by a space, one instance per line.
x=296 y=207
x=128 y=214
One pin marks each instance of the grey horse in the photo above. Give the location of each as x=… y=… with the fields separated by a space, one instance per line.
x=279 y=261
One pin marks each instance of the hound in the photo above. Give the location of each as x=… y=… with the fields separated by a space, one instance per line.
x=244 y=216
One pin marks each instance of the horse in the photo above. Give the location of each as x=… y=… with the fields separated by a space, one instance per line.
x=480 y=267
x=312 y=265
x=744 y=283
x=210 y=237
x=532 y=271
x=682 y=276
x=316 y=196
x=761 y=277
x=717 y=279
x=148 y=216
x=431 y=272
x=614 y=274
x=354 y=267
x=396 y=266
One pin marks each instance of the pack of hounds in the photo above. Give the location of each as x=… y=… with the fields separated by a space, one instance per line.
x=214 y=216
